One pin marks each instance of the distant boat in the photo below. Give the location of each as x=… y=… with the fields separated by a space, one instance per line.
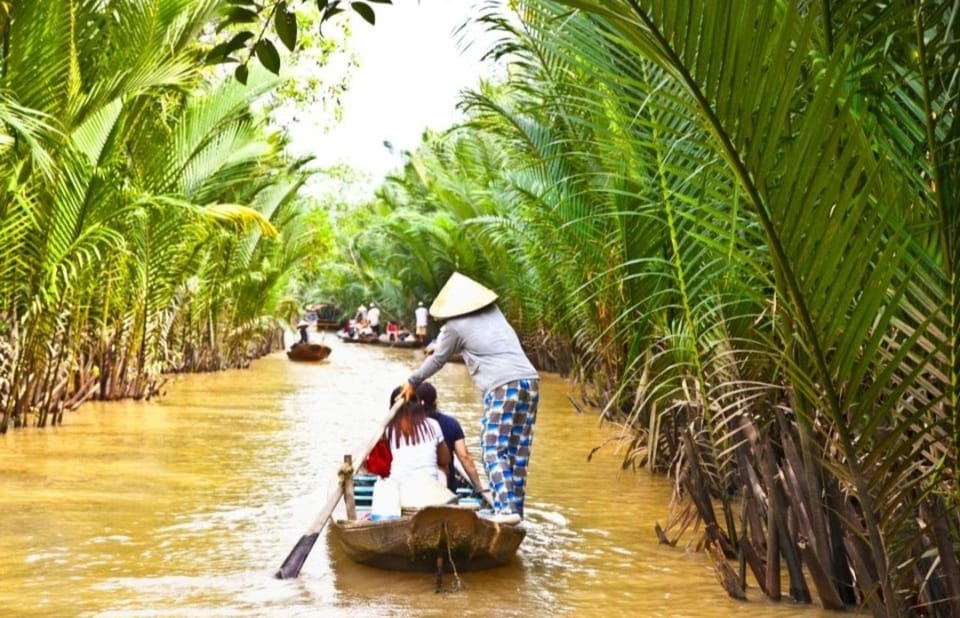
x=346 y=338
x=324 y=316
x=411 y=342
x=308 y=352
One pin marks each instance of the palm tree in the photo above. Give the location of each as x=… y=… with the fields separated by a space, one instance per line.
x=68 y=89
x=127 y=172
x=860 y=345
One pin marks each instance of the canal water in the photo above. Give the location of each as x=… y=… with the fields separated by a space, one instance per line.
x=187 y=504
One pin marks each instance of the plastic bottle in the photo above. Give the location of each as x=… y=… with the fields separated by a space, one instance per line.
x=386 y=500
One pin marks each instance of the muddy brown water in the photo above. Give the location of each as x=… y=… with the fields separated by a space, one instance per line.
x=186 y=505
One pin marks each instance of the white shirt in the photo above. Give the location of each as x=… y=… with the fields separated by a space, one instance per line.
x=412 y=459
x=373 y=316
x=421 y=314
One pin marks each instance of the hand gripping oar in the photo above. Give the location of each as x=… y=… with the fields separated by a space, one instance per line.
x=483 y=491
x=298 y=555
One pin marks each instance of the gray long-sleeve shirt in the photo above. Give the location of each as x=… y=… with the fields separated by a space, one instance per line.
x=490 y=349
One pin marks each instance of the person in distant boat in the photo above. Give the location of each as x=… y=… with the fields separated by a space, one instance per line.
x=302 y=326
x=452 y=435
x=420 y=457
x=420 y=314
x=393 y=331
x=363 y=331
x=373 y=317
x=477 y=330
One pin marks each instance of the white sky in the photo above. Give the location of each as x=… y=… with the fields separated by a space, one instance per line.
x=412 y=67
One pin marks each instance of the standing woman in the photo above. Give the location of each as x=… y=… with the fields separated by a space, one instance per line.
x=491 y=350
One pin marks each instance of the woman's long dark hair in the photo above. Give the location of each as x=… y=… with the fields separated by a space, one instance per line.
x=427 y=395
x=410 y=422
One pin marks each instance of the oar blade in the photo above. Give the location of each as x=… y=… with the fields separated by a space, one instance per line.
x=298 y=555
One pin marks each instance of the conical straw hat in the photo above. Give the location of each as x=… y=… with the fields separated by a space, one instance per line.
x=460 y=295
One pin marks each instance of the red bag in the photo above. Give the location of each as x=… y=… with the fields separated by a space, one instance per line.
x=379 y=459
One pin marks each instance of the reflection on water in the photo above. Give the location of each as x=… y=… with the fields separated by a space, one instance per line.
x=186 y=506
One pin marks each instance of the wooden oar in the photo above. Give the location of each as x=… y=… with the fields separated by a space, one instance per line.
x=298 y=555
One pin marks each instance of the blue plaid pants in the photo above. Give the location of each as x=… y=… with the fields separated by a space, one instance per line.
x=506 y=433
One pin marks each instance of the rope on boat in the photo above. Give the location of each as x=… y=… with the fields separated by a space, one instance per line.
x=457 y=584
x=345 y=473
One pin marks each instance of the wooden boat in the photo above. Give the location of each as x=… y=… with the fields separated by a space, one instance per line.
x=308 y=352
x=326 y=316
x=412 y=343
x=431 y=535
x=344 y=337
x=380 y=340
x=427 y=538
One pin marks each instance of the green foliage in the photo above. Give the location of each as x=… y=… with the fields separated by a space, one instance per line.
x=139 y=228
x=285 y=24
x=268 y=56
x=365 y=11
x=252 y=25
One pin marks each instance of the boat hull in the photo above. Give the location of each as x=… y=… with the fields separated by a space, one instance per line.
x=366 y=339
x=414 y=543
x=401 y=344
x=308 y=352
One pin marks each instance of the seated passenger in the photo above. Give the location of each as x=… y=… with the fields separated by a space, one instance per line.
x=393 y=331
x=452 y=435
x=420 y=457
x=364 y=331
